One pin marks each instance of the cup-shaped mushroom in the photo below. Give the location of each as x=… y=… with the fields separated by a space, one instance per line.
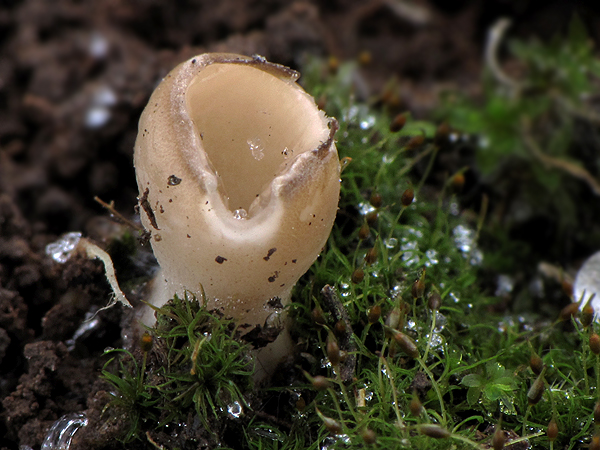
x=239 y=182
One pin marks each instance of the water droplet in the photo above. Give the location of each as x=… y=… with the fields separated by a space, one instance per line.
x=62 y=431
x=351 y=114
x=587 y=282
x=484 y=141
x=391 y=242
x=504 y=285
x=388 y=159
x=365 y=208
x=104 y=96
x=85 y=329
x=454 y=210
x=432 y=257
x=240 y=214
x=410 y=253
x=61 y=250
x=464 y=239
x=256 y=147
x=367 y=122
x=97 y=117
x=98 y=46
x=235 y=410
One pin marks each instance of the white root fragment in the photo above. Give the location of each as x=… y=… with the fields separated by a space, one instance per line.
x=92 y=251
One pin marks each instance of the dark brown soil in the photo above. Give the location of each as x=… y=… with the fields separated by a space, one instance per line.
x=74 y=78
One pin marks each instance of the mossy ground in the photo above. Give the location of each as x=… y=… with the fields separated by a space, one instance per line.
x=431 y=309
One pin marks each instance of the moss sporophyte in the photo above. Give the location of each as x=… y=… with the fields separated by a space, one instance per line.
x=396 y=343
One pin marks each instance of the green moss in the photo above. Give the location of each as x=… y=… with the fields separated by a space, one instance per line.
x=470 y=368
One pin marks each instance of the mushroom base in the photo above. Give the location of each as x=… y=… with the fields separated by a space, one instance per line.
x=266 y=358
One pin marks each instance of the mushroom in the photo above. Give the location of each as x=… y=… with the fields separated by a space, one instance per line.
x=239 y=183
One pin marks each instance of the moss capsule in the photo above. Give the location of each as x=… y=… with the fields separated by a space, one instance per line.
x=418 y=287
x=318 y=316
x=371 y=256
x=364 y=232
x=499 y=438
x=339 y=328
x=595 y=343
x=534 y=395
x=333 y=64
x=458 y=182
x=357 y=276
x=320 y=383
x=587 y=315
x=415 y=406
x=365 y=58
x=415 y=142
x=434 y=301
x=333 y=351
x=146 y=342
x=374 y=314
x=376 y=200
x=398 y=123
x=406 y=344
x=441 y=134
x=434 y=431
x=371 y=218
x=536 y=363
x=332 y=425
x=569 y=311
x=567 y=288
x=393 y=319
x=407 y=197
x=552 y=431
x=368 y=436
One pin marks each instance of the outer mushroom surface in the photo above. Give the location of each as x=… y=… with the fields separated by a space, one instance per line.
x=239 y=182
